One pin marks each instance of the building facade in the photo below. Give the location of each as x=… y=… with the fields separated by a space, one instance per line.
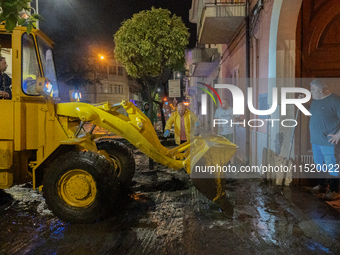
x=285 y=40
x=111 y=83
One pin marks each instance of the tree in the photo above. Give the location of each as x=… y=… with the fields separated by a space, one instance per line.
x=11 y=14
x=159 y=97
x=149 y=43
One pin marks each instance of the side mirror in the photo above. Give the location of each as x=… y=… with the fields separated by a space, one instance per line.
x=44 y=87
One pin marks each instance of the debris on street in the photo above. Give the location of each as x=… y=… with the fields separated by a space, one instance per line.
x=163 y=213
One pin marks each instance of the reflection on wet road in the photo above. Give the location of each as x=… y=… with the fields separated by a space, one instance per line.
x=162 y=213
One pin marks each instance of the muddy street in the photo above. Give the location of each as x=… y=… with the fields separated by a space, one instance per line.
x=163 y=213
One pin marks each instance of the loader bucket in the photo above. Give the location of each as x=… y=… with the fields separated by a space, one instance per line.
x=213 y=189
x=209 y=168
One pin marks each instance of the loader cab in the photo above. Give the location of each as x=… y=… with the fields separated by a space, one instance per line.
x=37 y=61
x=35 y=50
x=23 y=117
x=28 y=57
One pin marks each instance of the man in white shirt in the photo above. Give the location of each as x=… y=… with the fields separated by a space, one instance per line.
x=225 y=113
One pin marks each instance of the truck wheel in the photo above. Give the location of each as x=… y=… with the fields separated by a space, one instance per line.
x=80 y=187
x=122 y=156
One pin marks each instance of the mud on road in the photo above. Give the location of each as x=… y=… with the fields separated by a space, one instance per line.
x=163 y=213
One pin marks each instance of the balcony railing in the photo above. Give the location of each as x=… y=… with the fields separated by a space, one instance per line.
x=219 y=20
x=204 y=61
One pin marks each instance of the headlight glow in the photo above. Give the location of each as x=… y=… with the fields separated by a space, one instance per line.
x=48 y=87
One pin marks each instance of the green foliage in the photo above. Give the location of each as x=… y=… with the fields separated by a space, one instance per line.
x=150 y=42
x=21 y=21
x=11 y=14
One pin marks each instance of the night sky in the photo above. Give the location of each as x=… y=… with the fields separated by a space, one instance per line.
x=86 y=27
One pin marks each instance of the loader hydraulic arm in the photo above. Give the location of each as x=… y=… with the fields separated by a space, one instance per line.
x=138 y=130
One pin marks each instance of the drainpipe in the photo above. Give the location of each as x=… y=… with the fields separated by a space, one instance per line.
x=268 y=143
x=37 y=9
x=247 y=81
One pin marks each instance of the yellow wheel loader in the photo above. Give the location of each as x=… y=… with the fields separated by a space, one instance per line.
x=44 y=141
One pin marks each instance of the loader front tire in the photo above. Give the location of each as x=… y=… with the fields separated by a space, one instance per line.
x=122 y=156
x=80 y=187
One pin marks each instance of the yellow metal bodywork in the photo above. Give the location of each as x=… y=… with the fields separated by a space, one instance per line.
x=6 y=179
x=6 y=154
x=6 y=162
x=7 y=119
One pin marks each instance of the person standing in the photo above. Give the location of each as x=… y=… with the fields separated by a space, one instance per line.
x=146 y=111
x=183 y=119
x=225 y=112
x=324 y=129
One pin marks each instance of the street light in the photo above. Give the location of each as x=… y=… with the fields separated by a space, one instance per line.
x=96 y=76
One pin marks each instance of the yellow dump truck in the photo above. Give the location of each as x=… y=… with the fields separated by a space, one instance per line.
x=43 y=140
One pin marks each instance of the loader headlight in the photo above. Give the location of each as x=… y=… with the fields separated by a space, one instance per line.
x=75 y=96
x=48 y=87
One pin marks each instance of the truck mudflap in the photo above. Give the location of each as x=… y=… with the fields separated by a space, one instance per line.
x=138 y=130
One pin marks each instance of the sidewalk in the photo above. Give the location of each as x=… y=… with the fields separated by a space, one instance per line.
x=335 y=204
x=315 y=209
x=309 y=207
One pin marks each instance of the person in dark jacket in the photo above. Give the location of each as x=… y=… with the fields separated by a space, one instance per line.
x=5 y=81
x=146 y=111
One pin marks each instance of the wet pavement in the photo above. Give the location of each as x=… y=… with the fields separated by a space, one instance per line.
x=163 y=213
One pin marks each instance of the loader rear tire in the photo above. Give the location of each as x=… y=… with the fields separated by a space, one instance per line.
x=122 y=155
x=80 y=187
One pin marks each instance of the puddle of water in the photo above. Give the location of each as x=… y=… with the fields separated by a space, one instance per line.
x=58 y=230
x=24 y=197
x=266 y=223
x=314 y=246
